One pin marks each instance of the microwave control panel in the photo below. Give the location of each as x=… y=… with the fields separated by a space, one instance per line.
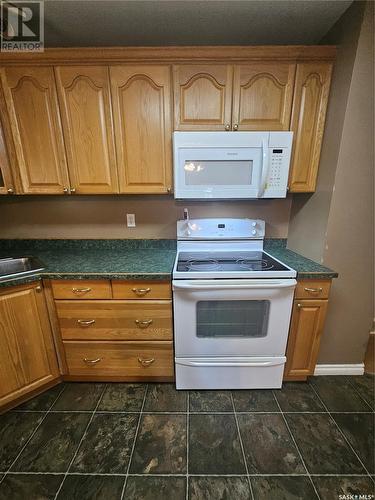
x=277 y=177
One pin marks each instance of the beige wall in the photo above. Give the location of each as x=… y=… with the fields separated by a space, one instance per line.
x=309 y=213
x=105 y=216
x=335 y=225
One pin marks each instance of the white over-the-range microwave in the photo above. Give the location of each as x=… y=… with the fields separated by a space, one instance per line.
x=231 y=165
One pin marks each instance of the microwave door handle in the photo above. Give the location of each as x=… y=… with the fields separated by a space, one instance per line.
x=264 y=170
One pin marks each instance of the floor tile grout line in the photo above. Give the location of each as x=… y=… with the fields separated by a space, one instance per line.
x=194 y=412
x=295 y=444
x=187 y=443
x=81 y=440
x=32 y=434
x=341 y=432
x=17 y=473
x=359 y=394
x=242 y=447
x=122 y=497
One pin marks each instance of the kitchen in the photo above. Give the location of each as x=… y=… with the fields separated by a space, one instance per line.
x=187 y=255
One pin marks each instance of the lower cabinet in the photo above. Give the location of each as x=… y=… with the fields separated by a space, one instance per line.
x=127 y=336
x=27 y=353
x=306 y=327
x=119 y=360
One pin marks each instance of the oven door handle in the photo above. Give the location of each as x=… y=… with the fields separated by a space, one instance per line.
x=232 y=363
x=232 y=284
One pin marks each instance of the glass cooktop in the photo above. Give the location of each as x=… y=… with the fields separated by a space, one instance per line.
x=227 y=261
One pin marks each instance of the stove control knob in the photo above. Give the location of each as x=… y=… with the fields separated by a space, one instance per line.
x=254 y=224
x=254 y=232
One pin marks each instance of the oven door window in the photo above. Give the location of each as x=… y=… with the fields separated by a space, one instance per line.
x=232 y=318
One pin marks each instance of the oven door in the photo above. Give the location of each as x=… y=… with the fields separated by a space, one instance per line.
x=232 y=317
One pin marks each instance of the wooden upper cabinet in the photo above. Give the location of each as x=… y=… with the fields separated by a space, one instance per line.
x=308 y=118
x=6 y=180
x=31 y=100
x=85 y=104
x=202 y=97
x=27 y=356
x=141 y=100
x=262 y=96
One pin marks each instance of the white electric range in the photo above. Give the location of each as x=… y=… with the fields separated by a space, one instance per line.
x=232 y=304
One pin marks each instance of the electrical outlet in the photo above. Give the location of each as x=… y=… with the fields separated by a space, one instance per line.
x=130 y=220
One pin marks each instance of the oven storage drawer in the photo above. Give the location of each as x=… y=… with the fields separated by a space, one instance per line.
x=229 y=372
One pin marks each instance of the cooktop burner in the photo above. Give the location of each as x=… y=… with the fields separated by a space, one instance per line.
x=227 y=261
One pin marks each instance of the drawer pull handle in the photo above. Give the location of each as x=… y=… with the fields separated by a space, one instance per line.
x=85 y=322
x=146 y=362
x=81 y=290
x=91 y=361
x=141 y=291
x=143 y=323
x=313 y=290
x=299 y=306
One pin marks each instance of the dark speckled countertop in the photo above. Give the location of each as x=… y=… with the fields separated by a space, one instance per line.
x=127 y=259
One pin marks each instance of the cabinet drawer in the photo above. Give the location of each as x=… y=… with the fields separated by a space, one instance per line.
x=119 y=359
x=81 y=289
x=312 y=289
x=141 y=289
x=115 y=319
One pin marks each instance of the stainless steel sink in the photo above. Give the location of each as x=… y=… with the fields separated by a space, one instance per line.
x=14 y=267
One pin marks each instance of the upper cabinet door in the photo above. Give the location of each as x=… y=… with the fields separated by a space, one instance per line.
x=262 y=96
x=203 y=97
x=84 y=95
x=308 y=117
x=31 y=99
x=141 y=99
x=6 y=181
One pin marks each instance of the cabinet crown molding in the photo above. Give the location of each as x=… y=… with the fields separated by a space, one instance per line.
x=113 y=55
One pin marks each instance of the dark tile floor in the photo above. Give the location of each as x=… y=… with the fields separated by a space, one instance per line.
x=137 y=441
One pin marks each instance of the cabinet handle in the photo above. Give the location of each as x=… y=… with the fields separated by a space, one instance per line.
x=235 y=126
x=72 y=190
x=313 y=290
x=81 y=290
x=91 y=361
x=38 y=288
x=143 y=323
x=146 y=362
x=141 y=291
x=85 y=322
x=227 y=127
x=66 y=190
x=299 y=306
x=10 y=191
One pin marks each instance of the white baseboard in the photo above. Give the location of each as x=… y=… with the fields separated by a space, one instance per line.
x=357 y=369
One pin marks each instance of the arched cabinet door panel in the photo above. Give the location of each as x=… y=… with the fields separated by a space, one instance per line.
x=262 y=96
x=308 y=118
x=141 y=99
x=31 y=100
x=84 y=96
x=6 y=179
x=203 y=97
